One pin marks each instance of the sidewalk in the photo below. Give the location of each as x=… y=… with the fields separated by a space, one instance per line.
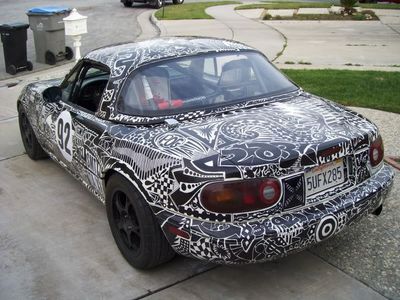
x=357 y=45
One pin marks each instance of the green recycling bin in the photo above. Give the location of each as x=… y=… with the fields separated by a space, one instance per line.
x=48 y=31
x=13 y=37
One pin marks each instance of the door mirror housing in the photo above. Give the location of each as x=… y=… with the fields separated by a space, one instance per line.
x=52 y=94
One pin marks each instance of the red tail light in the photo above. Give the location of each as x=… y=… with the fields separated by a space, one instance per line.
x=376 y=152
x=241 y=196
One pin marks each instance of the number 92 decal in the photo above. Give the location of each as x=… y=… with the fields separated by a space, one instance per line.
x=64 y=134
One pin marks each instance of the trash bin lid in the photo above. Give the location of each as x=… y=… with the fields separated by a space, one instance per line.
x=13 y=26
x=48 y=10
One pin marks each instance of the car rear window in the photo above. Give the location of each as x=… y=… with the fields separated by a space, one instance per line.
x=199 y=82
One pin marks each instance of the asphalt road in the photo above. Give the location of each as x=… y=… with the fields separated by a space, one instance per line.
x=108 y=22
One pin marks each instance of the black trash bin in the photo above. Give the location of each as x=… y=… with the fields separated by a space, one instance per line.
x=14 y=37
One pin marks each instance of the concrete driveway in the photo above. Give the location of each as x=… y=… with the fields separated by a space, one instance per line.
x=55 y=243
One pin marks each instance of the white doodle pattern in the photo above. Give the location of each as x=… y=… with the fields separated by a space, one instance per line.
x=279 y=137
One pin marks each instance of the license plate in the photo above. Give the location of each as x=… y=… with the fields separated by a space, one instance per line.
x=324 y=177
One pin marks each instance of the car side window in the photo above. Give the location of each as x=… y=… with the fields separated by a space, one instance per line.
x=68 y=85
x=85 y=86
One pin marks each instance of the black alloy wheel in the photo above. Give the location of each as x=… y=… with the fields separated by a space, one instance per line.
x=126 y=220
x=134 y=227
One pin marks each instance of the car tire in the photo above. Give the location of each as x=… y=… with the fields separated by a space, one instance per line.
x=177 y=1
x=158 y=4
x=134 y=227
x=127 y=4
x=31 y=144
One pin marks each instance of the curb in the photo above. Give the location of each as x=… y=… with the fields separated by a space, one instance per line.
x=157 y=23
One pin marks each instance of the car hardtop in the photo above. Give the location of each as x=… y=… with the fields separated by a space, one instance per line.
x=134 y=54
x=124 y=60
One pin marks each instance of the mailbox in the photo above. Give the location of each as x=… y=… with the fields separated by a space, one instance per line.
x=75 y=26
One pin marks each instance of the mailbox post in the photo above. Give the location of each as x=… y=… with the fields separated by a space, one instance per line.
x=75 y=26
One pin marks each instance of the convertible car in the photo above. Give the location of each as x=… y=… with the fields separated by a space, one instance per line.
x=201 y=147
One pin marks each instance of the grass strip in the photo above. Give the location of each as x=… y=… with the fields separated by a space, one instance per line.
x=371 y=89
x=380 y=5
x=188 y=10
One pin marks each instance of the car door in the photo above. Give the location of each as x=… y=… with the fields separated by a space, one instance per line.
x=77 y=128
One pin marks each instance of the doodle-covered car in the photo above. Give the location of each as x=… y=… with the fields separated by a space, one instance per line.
x=200 y=146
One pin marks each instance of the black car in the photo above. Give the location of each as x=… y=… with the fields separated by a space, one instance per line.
x=154 y=3
x=202 y=147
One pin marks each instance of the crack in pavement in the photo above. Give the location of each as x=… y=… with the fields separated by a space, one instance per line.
x=11 y=157
x=175 y=283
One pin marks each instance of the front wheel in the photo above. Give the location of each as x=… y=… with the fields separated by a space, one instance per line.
x=127 y=3
x=177 y=1
x=134 y=226
x=31 y=144
x=158 y=3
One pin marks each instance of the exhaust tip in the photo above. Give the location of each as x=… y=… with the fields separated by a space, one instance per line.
x=378 y=211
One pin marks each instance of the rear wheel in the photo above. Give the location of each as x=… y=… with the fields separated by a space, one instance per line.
x=134 y=226
x=127 y=3
x=31 y=144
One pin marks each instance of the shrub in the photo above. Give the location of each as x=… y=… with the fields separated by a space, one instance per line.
x=348 y=6
x=267 y=17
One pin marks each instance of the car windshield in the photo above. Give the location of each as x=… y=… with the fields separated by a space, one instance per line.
x=199 y=82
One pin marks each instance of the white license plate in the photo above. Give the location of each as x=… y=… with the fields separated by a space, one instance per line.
x=324 y=177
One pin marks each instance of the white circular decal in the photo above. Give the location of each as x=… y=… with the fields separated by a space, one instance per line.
x=64 y=134
x=326 y=228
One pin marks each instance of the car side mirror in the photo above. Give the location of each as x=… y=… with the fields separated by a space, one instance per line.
x=52 y=94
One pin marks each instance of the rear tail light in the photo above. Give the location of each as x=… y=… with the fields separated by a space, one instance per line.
x=241 y=196
x=376 y=152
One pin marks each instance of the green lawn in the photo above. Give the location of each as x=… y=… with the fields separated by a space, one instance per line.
x=287 y=5
x=189 y=10
x=372 y=89
x=380 y=5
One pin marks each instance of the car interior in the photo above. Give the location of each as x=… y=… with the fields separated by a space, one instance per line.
x=89 y=87
x=84 y=87
x=197 y=82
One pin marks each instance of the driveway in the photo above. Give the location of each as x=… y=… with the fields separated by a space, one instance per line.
x=55 y=242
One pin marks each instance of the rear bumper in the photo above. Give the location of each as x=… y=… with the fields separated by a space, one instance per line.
x=277 y=236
